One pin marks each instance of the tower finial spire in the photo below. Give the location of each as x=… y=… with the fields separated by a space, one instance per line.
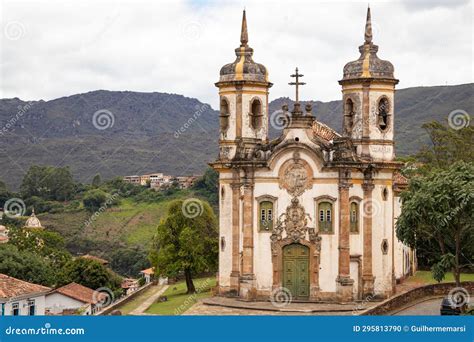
x=368 y=27
x=244 y=36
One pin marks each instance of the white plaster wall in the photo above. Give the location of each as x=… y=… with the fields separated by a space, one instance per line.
x=247 y=130
x=354 y=272
x=225 y=231
x=382 y=229
x=401 y=268
x=23 y=306
x=57 y=302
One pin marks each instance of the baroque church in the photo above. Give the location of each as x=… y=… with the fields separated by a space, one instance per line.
x=312 y=212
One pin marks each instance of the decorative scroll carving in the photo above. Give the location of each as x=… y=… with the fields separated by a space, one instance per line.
x=295 y=224
x=295 y=176
x=224 y=153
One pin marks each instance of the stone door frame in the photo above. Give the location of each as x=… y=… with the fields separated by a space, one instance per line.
x=277 y=263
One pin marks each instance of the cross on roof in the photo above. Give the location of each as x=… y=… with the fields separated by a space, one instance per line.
x=297 y=76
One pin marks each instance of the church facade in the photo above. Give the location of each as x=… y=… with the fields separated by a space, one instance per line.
x=312 y=212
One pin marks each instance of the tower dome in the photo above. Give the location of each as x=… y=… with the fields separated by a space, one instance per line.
x=3 y=234
x=33 y=221
x=369 y=65
x=244 y=68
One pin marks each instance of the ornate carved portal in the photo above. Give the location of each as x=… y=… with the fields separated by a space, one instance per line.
x=292 y=227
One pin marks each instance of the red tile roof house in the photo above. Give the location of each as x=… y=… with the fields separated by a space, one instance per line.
x=72 y=299
x=20 y=298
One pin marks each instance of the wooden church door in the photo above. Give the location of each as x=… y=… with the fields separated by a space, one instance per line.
x=296 y=270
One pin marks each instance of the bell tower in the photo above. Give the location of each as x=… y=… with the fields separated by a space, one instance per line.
x=368 y=88
x=243 y=92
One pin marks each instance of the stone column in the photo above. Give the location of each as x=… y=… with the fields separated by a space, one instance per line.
x=365 y=119
x=247 y=280
x=367 y=276
x=238 y=112
x=344 y=281
x=235 y=273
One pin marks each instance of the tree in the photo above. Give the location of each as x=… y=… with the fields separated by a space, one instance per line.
x=91 y=274
x=207 y=186
x=43 y=243
x=48 y=182
x=5 y=195
x=129 y=261
x=94 y=199
x=447 y=146
x=186 y=241
x=96 y=181
x=439 y=206
x=26 y=266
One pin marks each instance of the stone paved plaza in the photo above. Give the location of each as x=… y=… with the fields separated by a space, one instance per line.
x=229 y=306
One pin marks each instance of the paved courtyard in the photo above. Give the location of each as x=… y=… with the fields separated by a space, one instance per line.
x=229 y=306
x=428 y=307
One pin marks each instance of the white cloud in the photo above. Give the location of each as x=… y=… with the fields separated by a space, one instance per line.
x=61 y=48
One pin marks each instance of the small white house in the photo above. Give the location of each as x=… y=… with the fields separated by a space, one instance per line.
x=149 y=275
x=20 y=298
x=72 y=299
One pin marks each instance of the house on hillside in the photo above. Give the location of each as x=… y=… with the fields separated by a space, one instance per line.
x=149 y=275
x=135 y=179
x=129 y=286
x=21 y=298
x=72 y=299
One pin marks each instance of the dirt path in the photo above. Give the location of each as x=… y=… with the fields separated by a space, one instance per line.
x=150 y=300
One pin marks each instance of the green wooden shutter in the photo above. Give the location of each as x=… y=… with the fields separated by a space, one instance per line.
x=354 y=217
x=325 y=217
x=266 y=216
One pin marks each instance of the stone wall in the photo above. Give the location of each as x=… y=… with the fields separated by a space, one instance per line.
x=413 y=295
x=123 y=301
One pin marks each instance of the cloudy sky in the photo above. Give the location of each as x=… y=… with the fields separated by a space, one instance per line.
x=56 y=48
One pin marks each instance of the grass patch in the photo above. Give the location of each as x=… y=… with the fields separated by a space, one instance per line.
x=131 y=223
x=135 y=302
x=426 y=277
x=178 y=301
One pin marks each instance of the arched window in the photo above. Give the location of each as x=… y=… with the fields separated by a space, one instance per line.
x=224 y=115
x=349 y=115
x=256 y=114
x=266 y=216
x=354 y=217
x=383 y=110
x=325 y=217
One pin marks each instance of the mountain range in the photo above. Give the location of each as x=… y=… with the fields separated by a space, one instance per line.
x=117 y=133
